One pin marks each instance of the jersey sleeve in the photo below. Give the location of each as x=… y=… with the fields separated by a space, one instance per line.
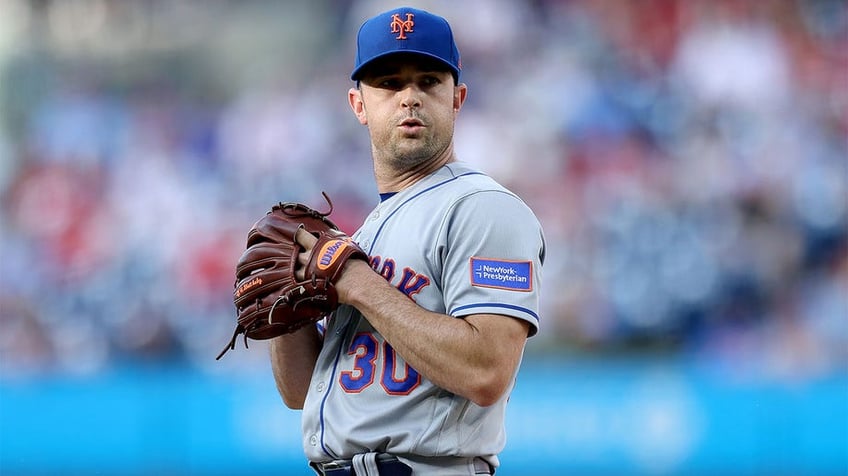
x=492 y=248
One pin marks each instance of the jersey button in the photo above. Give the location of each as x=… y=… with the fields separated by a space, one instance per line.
x=320 y=387
x=313 y=440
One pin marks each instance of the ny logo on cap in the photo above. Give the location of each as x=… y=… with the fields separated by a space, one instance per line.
x=402 y=27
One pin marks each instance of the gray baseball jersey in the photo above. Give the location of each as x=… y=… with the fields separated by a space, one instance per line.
x=457 y=243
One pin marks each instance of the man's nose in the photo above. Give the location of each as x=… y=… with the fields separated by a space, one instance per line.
x=411 y=97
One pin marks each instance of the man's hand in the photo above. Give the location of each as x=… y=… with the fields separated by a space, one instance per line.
x=307 y=241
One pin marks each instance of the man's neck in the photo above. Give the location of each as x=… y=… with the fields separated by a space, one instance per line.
x=390 y=179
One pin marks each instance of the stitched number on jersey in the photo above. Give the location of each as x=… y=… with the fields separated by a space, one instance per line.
x=392 y=383
x=364 y=348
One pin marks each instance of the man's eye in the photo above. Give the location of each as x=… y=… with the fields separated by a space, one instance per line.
x=389 y=83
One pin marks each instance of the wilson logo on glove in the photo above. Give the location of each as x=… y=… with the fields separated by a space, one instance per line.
x=330 y=253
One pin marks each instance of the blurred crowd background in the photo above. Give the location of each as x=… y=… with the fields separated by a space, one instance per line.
x=687 y=159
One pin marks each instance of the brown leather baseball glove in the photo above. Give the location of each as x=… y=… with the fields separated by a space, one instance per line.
x=270 y=300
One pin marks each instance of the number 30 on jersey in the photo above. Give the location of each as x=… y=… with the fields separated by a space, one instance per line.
x=365 y=348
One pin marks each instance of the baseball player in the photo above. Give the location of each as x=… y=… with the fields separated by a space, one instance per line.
x=412 y=373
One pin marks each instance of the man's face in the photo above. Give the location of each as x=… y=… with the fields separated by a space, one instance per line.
x=409 y=104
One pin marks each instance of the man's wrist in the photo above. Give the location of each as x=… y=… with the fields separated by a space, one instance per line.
x=355 y=274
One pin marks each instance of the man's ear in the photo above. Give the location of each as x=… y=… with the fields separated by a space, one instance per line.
x=354 y=97
x=460 y=92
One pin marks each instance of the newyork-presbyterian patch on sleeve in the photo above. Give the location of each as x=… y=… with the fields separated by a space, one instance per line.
x=502 y=274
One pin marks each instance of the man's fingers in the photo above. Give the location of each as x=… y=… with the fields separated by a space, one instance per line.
x=305 y=239
x=300 y=270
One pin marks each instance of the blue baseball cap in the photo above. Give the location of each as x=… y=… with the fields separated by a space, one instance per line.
x=406 y=30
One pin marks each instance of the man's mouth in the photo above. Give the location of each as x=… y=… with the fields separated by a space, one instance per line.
x=411 y=122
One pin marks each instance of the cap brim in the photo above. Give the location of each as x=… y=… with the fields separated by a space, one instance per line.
x=357 y=73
